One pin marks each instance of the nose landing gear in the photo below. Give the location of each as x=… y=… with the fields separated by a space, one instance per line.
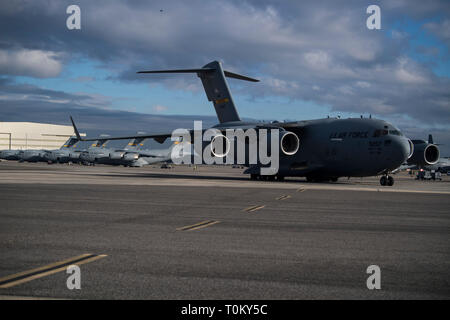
x=387 y=180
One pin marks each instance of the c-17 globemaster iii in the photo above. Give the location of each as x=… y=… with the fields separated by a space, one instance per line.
x=65 y=154
x=131 y=155
x=320 y=150
x=99 y=154
x=38 y=155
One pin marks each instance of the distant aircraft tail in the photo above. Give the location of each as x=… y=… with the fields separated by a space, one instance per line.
x=216 y=88
x=135 y=143
x=430 y=138
x=70 y=143
x=100 y=143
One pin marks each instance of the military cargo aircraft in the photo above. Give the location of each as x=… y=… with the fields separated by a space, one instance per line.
x=130 y=156
x=442 y=165
x=320 y=150
x=96 y=152
x=41 y=154
x=10 y=154
x=147 y=157
x=65 y=154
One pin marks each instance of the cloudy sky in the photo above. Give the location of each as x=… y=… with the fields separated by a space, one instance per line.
x=314 y=59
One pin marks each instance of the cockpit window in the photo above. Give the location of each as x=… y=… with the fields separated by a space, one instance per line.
x=395 y=132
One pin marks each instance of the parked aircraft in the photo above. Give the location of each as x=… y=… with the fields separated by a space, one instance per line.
x=66 y=153
x=320 y=150
x=40 y=155
x=130 y=156
x=10 y=154
x=442 y=165
x=153 y=156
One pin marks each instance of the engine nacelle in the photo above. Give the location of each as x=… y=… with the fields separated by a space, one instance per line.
x=289 y=143
x=220 y=146
x=411 y=148
x=425 y=154
x=116 y=155
x=74 y=155
x=130 y=156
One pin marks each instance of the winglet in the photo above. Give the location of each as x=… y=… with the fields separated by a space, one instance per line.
x=76 y=130
x=430 y=139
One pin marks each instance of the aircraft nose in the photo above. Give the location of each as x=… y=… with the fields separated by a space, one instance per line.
x=402 y=149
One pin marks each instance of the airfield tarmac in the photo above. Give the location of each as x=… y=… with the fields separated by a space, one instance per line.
x=212 y=233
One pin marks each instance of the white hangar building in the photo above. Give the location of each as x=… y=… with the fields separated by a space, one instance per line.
x=31 y=135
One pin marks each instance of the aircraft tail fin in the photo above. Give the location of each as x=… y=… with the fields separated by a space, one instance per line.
x=70 y=143
x=100 y=143
x=430 y=139
x=75 y=129
x=216 y=88
x=135 y=143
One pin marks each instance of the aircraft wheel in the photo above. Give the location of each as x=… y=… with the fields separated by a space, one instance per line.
x=253 y=176
x=390 y=181
x=383 y=180
x=334 y=179
x=271 y=178
x=280 y=178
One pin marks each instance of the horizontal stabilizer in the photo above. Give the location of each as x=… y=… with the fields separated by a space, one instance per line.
x=179 y=71
x=238 y=76
x=203 y=70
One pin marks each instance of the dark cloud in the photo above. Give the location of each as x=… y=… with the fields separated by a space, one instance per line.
x=21 y=102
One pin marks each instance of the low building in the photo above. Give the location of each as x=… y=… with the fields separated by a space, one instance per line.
x=30 y=135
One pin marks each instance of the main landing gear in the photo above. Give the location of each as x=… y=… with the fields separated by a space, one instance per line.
x=387 y=180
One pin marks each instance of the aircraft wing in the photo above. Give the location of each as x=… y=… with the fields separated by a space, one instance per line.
x=150 y=154
x=161 y=137
x=158 y=137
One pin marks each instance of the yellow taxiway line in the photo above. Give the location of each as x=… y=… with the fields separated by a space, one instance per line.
x=283 y=197
x=25 y=276
x=253 y=208
x=199 y=225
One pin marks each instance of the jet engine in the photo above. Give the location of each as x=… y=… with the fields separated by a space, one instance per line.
x=74 y=155
x=425 y=154
x=220 y=146
x=411 y=148
x=116 y=155
x=130 y=156
x=289 y=143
